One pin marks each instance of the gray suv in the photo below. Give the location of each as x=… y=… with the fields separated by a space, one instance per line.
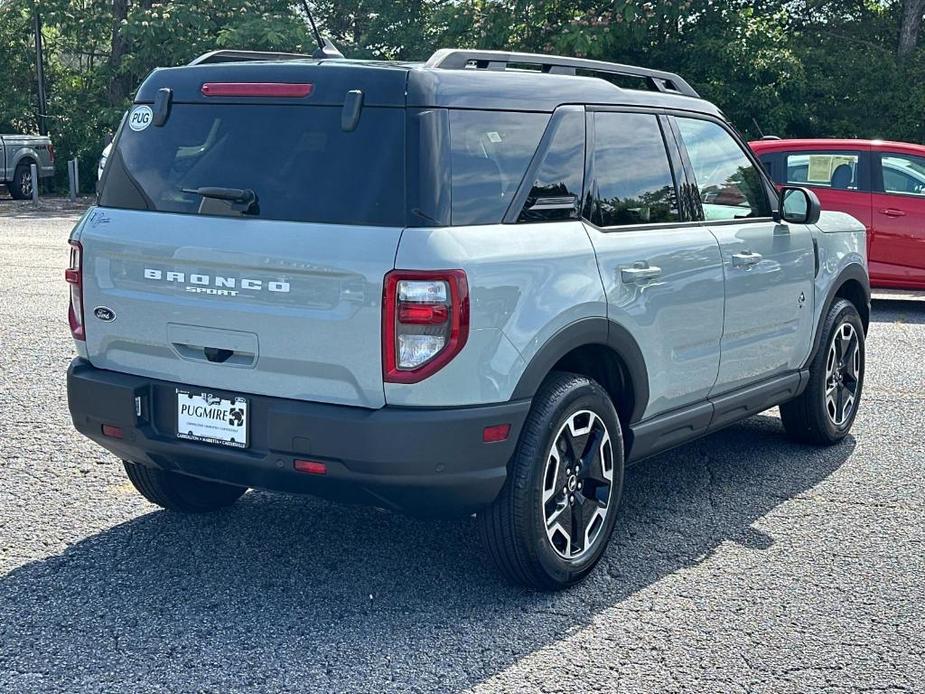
x=482 y=284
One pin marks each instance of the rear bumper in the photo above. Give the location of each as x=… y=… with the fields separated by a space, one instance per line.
x=417 y=460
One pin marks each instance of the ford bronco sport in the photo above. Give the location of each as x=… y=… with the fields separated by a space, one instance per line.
x=481 y=284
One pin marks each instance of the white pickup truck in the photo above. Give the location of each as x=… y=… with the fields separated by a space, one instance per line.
x=17 y=154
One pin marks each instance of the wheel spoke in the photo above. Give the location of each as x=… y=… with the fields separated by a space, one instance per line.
x=554 y=478
x=586 y=512
x=840 y=406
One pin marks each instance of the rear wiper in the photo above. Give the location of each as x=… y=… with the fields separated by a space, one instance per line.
x=225 y=200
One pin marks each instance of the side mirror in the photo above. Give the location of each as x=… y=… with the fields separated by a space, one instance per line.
x=798 y=206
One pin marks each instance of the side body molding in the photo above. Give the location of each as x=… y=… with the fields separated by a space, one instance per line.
x=850 y=272
x=582 y=333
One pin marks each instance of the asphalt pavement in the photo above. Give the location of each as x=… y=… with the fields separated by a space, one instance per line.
x=741 y=563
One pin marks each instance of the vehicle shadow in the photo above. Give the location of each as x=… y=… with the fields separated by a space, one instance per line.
x=897 y=311
x=287 y=591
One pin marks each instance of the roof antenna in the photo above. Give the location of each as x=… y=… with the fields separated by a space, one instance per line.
x=326 y=49
x=758 y=127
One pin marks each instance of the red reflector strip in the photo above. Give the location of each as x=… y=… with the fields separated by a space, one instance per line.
x=256 y=89
x=312 y=467
x=112 y=431
x=422 y=314
x=496 y=433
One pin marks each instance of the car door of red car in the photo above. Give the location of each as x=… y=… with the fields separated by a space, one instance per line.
x=897 y=244
x=840 y=177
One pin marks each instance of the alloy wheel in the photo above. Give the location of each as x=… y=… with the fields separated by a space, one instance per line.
x=842 y=374
x=577 y=485
x=25 y=185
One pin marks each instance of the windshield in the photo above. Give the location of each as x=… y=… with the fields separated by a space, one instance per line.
x=297 y=160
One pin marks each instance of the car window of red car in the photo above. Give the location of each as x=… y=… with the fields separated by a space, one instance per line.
x=903 y=173
x=836 y=170
x=730 y=185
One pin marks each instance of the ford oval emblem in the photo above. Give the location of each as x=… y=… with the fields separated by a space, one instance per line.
x=104 y=313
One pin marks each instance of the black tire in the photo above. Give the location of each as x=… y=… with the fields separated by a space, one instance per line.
x=809 y=418
x=176 y=492
x=514 y=527
x=21 y=185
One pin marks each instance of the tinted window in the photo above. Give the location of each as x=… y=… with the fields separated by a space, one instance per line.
x=556 y=191
x=632 y=181
x=297 y=160
x=730 y=185
x=489 y=154
x=838 y=170
x=903 y=173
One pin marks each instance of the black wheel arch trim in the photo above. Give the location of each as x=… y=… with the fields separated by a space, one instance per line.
x=582 y=333
x=850 y=272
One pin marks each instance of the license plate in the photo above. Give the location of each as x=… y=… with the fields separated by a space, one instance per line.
x=212 y=419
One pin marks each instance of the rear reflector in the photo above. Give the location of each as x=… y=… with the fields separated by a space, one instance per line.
x=256 y=89
x=112 y=431
x=312 y=467
x=496 y=433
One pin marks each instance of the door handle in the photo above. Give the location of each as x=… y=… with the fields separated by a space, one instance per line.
x=640 y=272
x=746 y=259
x=892 y=212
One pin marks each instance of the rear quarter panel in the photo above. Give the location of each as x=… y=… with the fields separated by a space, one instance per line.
x=526 y=282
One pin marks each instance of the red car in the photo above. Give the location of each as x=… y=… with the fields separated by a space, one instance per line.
x=880 y=183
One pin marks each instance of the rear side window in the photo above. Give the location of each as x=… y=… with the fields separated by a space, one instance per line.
x=556 y=191
x=298 y=161
x=632 y=181
x=903 y=173
x=489 y=154
x=837 y=170
x=730 y=185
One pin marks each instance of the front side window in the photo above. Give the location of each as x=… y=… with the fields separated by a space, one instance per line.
x=903 y=173
x=489 y=154
x=730 y=185
x=836 y=170
x=632 y=181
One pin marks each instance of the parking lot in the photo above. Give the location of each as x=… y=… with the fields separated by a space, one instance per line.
x=741 y=562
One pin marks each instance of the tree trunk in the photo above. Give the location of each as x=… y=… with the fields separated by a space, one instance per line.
x=119 y=82
x=911 y=25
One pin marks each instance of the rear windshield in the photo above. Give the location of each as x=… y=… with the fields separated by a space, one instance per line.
x=297 y=160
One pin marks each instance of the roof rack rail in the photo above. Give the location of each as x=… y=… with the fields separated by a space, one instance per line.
x=460 y=59
x=233 y=56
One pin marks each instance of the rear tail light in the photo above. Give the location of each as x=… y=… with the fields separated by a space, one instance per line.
x=425 y=322
x=51 y=154
x=74 y=277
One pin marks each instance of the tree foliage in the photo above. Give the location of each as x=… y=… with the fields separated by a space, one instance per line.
x=792 y=68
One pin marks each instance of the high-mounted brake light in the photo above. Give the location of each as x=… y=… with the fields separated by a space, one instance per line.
x=425 y=322
x=74 y=277
x=283 y=89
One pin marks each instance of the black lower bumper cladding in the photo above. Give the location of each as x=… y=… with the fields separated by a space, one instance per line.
x=423 y=461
